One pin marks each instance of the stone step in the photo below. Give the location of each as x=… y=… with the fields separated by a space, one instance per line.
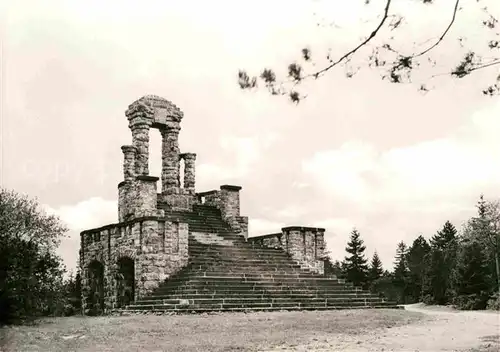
x=238 y=254
x=234 y=248
x=246 y=265
x=259 y=295
x=262 y=280
x=250 y=300
x=235 y=256
x=276 y=275
x=235 y=289
x=282 y=305
x=249 y=310
x=192 y=283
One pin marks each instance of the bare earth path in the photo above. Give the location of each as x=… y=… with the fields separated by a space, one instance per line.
x=443 y=330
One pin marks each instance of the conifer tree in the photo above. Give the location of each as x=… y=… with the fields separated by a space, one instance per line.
x=471 y=276
x=355 y=265
x=400 y=278
x=485 y=229
x=441 y=261
x=445 y=236
x=375 y=271
x=417 y=256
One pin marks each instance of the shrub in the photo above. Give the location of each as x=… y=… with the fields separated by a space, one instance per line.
x=494 y=302
x=471 y=302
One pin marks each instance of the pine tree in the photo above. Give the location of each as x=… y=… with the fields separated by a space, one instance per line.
x=444 y=237
x=441 y=261
x=355 y=266
x=401 y=265
x=375 y=271
x=471 y=276
x=400 y=278
x=417 y=256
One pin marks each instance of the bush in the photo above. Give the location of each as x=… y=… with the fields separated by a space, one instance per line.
x=494 y=302
x=428 y=299
x=471 y=302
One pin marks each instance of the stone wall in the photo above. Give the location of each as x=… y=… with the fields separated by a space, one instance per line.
x=158 y=248
x=211 y=198
x=304 y=244
x=272 y=240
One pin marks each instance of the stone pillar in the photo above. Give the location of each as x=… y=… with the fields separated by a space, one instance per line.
x=129 y=152
x=140 y=140
x=189 y=171
x=306 y=246
x=230 y=198
x=140 y=116
x=170 y=158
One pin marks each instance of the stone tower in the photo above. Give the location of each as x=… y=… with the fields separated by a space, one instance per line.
x=150 y=241
x=146 y=113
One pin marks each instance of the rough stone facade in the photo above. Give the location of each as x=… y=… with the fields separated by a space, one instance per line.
x=125 y=261
x=306 y=245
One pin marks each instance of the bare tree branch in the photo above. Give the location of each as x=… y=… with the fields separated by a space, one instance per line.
x=400 y=67
x=442 y=35
x=370 y=37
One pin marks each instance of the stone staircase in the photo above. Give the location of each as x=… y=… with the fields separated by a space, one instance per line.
x=226 y=273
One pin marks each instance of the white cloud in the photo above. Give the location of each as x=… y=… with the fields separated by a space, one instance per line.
x=462 y=163
x=291 y=211
x=245 y=152
x=87 y=214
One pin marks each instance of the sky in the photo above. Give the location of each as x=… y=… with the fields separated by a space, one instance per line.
x=360 y=152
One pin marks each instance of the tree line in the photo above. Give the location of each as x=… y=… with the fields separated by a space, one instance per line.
x=451 y=268
x=33 y=279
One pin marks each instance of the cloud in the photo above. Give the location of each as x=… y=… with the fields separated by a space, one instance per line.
x=242 y=155
x=464 y=162
x=87 y=214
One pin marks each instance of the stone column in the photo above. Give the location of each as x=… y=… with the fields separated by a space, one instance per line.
x=140 y=116
x=170 y=158
x=189 y=170
x=129 y=162
x=140 y=140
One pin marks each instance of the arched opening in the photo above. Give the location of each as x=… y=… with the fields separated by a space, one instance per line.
x=95 y=299
x=182 y=167
x=155 y=155
x=125 y=281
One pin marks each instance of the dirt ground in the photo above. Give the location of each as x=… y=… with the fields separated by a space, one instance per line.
x=444 y=329
x=418 y=328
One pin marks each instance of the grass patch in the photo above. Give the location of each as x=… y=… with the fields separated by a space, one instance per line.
x=207 y=332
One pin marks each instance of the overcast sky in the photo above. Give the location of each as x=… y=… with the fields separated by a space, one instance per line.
x=358 y=152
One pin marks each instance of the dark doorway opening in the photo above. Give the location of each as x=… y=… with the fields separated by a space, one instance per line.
x=125 y=282
x=95 y=299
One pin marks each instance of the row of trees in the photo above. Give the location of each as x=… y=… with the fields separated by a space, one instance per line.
x=32 y=276
x=451 y=268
